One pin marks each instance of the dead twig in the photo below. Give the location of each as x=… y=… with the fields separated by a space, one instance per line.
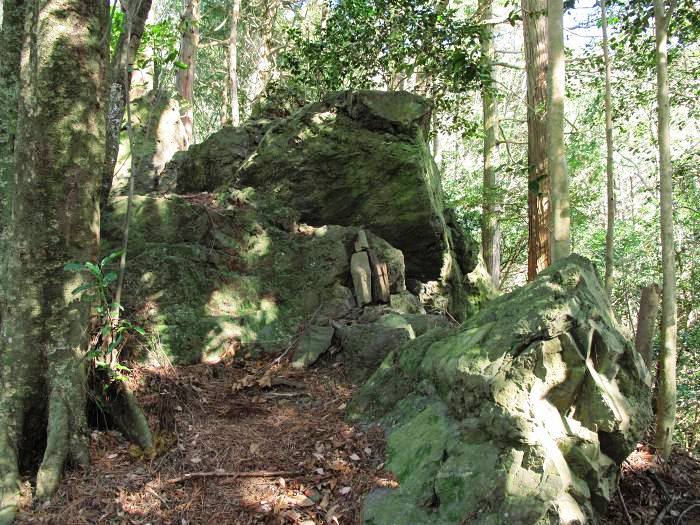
x=661 y=515
x=624 y=506
x=224 y=474
x=686 y=511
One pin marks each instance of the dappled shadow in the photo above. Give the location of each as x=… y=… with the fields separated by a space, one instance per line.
x=315 y=465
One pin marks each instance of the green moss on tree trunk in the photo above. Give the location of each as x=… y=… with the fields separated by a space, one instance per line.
x=59 y=152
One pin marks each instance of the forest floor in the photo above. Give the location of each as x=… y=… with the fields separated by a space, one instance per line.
x=254 y=442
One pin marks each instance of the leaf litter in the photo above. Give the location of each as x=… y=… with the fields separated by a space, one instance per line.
x=239 y=442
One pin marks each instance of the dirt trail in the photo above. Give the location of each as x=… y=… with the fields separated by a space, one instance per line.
x=253 y=442
x=223 y=419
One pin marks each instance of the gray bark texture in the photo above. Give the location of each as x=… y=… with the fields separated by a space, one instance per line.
x=490 y=230
x=646 y=322
x=184 y=78
x=10 y=42
x=55 y=219
x=118 y=94
x=666 y=398
x=560 y=240
x=610 y=233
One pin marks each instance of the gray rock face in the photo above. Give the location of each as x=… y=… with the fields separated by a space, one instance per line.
x=361 y=278
x=522 y=415
x=313 y=343
x=362 y=159
x=205 y=166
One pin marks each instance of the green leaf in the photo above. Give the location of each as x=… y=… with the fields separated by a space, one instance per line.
x=110 y=278
x=83 y=287
x=74 y=267
x=94 y=269
x=110 y=258
x=180 y=65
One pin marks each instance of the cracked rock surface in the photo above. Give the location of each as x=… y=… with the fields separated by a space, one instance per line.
x=521 y=415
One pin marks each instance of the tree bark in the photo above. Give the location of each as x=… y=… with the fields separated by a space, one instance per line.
x=119 y=86
x=263 y=71
x=184 y=78
x=233 y=63
x=538 y=203
x=666 y=399
x=10 y=47
x=560 y=240
x=55 y=219
x=610 y=233
x=490 y=231
x=646 y=322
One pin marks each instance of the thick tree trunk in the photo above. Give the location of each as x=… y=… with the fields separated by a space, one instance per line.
x=560 y=240
x=610 y=234
x=538 y=204
x=10 y=47
x=55 y=219
x=233 y=63
x=184 y=78
x=118 y=94
x=490 y=231
x=646 y=322
x=666 y=400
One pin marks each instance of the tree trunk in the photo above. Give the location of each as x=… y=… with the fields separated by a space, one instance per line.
x=263 y=70
x=538 y=204
x=119 y=75
x=666 y=400
x=184 y=78
x=55 y=219
x=646 y=322
x=233 y=63
x=490 y=231
x=560 y=240
x=10 y=46
x=610 y=234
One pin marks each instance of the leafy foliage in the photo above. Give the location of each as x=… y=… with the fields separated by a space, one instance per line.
x=110 y=328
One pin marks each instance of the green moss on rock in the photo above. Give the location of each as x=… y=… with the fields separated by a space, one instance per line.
x=532 y=403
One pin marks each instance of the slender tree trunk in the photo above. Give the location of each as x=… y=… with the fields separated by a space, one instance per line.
x=55 y=219
x=490 y=231
x=263 y=71
x=610 y=234
x=538 y=204
x=233 y=63
x=184 y=78
x=560 y=239
x=119 y=85
x=666 y=400
x=646 y=322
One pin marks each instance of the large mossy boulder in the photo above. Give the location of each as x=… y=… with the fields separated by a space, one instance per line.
x=362 y=158
x=207 y=165
x=522 y=415
x=208 y=277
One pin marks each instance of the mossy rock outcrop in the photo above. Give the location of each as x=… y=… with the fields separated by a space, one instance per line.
x=207 y=165
x=358 y=159
x=205 y=277
x=522 y=415
x=362 y=159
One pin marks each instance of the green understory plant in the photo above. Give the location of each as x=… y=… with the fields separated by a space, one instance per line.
x=112 y=332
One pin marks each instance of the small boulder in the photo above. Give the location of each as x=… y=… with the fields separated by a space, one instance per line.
x=313 y=343
x=361 y=277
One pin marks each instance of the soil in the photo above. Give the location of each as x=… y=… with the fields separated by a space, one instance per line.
x=254 y=442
